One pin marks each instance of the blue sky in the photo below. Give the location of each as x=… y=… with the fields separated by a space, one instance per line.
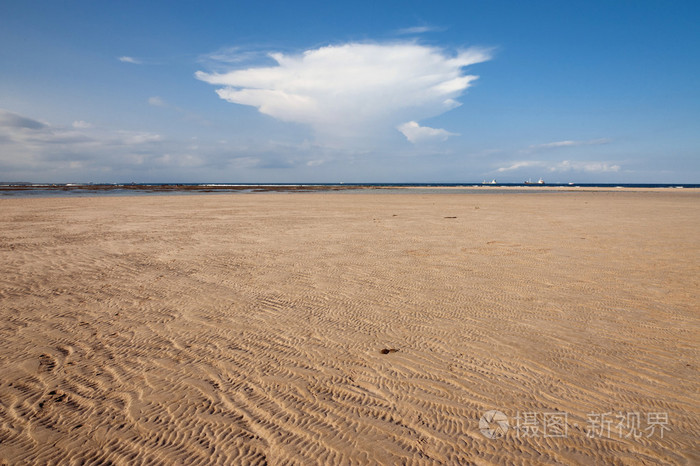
x=459 y=91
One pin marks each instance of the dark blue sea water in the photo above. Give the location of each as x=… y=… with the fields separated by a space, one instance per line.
x=138 y=189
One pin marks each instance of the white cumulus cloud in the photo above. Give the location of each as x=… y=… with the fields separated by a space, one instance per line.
x=354 y=91
x=416 y=133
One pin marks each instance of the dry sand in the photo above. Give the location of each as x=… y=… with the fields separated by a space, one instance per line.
x=249 y=328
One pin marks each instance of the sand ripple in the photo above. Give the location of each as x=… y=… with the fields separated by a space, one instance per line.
x=250 y=329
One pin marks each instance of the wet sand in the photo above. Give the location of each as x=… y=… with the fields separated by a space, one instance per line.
x=363 y=327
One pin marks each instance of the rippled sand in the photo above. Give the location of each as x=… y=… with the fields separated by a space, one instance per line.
x=260 y=328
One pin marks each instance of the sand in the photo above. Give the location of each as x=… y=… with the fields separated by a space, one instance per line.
x=372 y=327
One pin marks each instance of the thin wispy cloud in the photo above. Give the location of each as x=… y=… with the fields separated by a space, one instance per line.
x=418 y=30
x=590 y=167
x=231 y=55
x=355 y=92
x=132 y=60
x=156 y=101
x=521 y=164
x=555 y=144
x=563 y=166
x=80 y=124
x=136 y=137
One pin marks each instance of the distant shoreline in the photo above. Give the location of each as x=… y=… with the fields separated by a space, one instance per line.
x=25 y=189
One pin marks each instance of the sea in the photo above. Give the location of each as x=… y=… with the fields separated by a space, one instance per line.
x=24 y=189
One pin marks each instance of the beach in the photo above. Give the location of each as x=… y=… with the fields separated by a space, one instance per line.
x=365 y=327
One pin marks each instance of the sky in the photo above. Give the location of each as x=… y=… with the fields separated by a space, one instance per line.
x=392 y=91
